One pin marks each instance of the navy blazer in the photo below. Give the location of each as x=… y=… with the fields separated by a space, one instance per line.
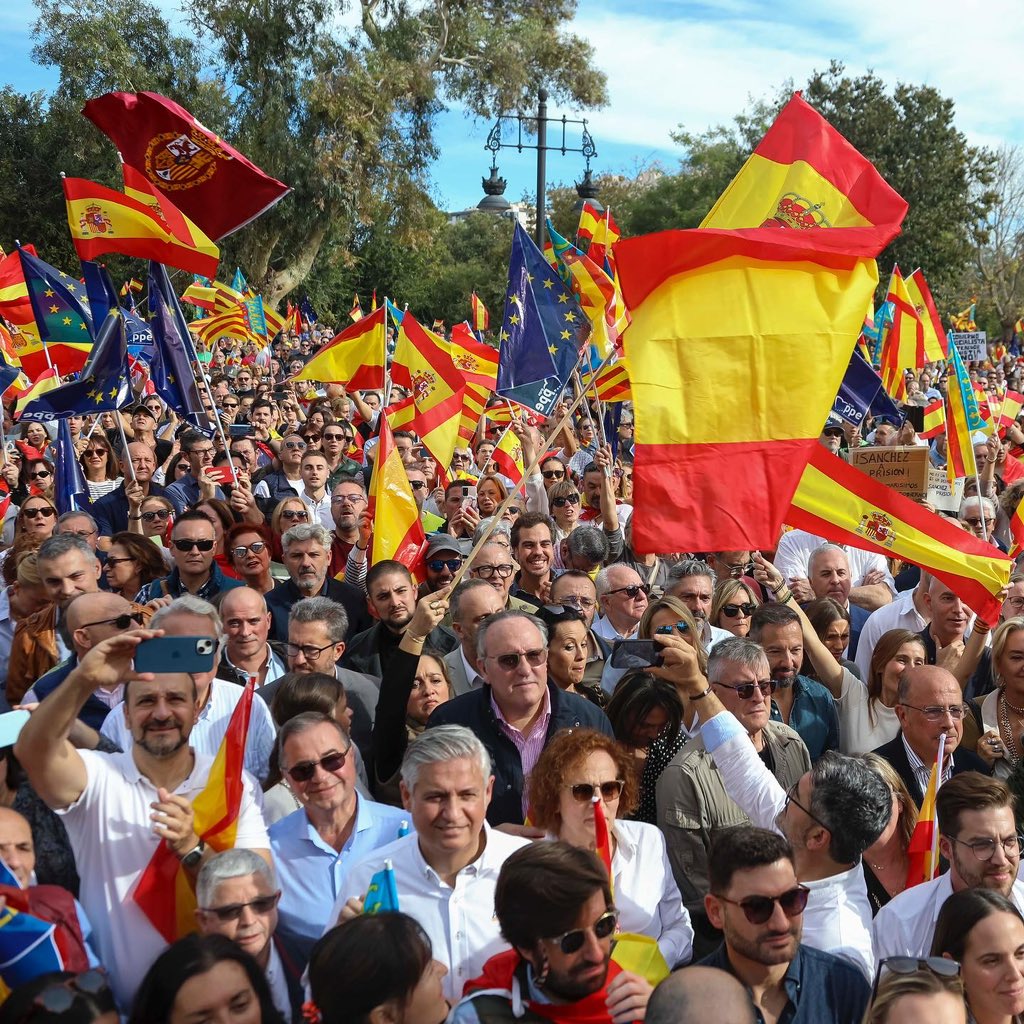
x=896 y=754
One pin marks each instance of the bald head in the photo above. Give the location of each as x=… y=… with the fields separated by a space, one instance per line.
x=91 y=607
x=16 y=846
x=242 y=601
x=698 y=994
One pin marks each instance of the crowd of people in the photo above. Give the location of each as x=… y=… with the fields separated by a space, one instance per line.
x=583 y=783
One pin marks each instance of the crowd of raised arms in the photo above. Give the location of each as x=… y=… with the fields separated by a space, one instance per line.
x=584 y=785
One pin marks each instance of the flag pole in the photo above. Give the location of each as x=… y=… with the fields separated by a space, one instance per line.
x=124 y=442
x=598 y=415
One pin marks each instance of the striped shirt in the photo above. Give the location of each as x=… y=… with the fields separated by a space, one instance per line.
x=530 y=746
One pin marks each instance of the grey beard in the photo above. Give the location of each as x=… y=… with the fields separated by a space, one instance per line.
x=785 y=684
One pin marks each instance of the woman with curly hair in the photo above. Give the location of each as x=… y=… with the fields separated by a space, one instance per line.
x=580 y=769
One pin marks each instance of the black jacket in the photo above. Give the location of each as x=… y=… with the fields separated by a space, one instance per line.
x=285 y=594
x=896 y=754
x=370 y=651
x=473 y=710
x=111 y=511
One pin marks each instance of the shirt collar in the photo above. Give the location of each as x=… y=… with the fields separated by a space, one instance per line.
x=545 y=711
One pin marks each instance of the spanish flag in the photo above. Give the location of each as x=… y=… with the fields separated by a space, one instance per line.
x=474 y=400
x=508 y=456
x=923 y=849
x=934 y=419
x=1013 y=402
x=355 y=314
x=589 y=219
x=935 y=344
x=1017 y=530
x=103 y=220
x=903 y=343
x=478 y=364
x=837 y=502
x=203 y=297
x=481 y=318
x=164 y=892
x=355 y=358
x=605 y=236
x=397 y=530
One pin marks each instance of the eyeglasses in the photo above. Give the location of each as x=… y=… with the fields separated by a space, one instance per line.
x=451 y=564
x=295 y=446
x=583 y=792
x=305 y=770
x=574 y=601
x=348 y=499
x=737 y=571
x=936 y=713
x=571 y=499
x=203 y=453
x=553 y=474
x=294 y=513
x=120 y=621
x=230 y=405
x=676 y=627
x=486 y=572
x=233 y=911
x=732 y=610
x=61 y=996
x=157 y=513
x=457 y=457
x=632 y=591
x=39 y=474
x=572 y=942
x=309 y=652
x=985 y=849
x=511 y=661
x=746 y=690
x=941 y=966
x=95 y=451
x=189 y=545
x=33 y=513
x=791 y=799
x=759 y=909
x=256 y=547
x=418 y=485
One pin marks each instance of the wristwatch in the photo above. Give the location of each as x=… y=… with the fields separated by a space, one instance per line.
x=194 y=856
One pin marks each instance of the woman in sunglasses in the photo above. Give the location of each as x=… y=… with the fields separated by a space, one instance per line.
x=99 y=466
x=580 y=769
x=564 y=503
x=553 y=471
x=249 y=546
x=289 y=512
x=920 y=997
x=61 y=997
x=131 y=563
x=567 y=652
x=733 y=606
x=35 y=521
x=156 y=517
x=36 y=478
x=983 y=931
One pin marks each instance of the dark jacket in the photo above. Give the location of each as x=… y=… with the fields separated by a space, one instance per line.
x=473 y=710
x=896 y=754
x=371 y=650
x=111 y=511
x=285 y=594
x=93 y=712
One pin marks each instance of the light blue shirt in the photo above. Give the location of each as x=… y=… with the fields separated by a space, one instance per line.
x=310 y=872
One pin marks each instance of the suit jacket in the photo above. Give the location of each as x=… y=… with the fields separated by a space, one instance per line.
x=457 y=672
x=896 y=754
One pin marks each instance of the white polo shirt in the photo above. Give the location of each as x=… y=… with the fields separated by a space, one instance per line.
x=113 y=840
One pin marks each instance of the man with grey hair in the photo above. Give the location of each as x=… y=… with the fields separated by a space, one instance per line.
x=693 y=805
x=693 y=582
x=978 y=516
x=622 y=597
x=446 y=871
x=828 y=574
x=586 y=549
x=237 y=897
x=193 y=617
x=81 y=524
x=518 y=710
x=469 y=604
x=306 y=553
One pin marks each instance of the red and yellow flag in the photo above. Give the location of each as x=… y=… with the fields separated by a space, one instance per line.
x=481 y=318
x=223 y=325
x=602 y=838
x=934 y=419
x=397 y=530
x=903 y=342
x=841 y=504
x=612 y=383
x=606 y=234
x=923 y=849
x=508 y=456
x=356 y=357
x=164 y=892
x=476 y=361
x=963 y=418
x=1017 y=530
x=590 y=217
x=935 y=344
x=356 y=312
x=1013 y=402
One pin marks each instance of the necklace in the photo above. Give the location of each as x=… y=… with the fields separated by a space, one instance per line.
x=1019 y=712
x=1009 y=740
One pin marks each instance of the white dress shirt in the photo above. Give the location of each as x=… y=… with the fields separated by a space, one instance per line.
x=902 y=613
x=837 y=918
x=860 y=732
x=208 y=732
x=604 y=628
x=459 y=920
x=795 y=548
x=112 y=837
x=321 y=508
x=906 y=924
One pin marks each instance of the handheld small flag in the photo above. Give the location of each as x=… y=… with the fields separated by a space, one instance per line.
x=934 y=419
x=356 y=312
x=1017 y=531
x=508 y=456
x=70 y=492
x=602 y=837
x=481 y=318
x=923 y=849
x=382 y=892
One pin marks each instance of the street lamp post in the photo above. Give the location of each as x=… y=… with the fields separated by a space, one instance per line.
x=494 y=143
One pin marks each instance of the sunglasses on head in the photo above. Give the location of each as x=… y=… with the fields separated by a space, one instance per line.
x=233 y=911
x=511 y=661
x=553 y=474
x=157 y=513
x=940 y=966
x=732 y=610
x=583 y=792
x=34 y=513
x=451 y=564
x=188 y=545
x=305 y=770
x=571 y=499
x=294 y=513
x=759 y=909
x=61 y=996
x=746 y=690
x=572 y=942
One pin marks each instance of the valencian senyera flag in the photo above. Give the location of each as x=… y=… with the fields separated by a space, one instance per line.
x=770 y=295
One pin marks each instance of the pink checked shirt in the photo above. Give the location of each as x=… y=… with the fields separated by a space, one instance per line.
x=529 y=747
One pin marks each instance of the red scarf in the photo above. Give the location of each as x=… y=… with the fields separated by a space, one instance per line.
x=501 y=972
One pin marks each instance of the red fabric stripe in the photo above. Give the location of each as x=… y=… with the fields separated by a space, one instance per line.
x=714 y=497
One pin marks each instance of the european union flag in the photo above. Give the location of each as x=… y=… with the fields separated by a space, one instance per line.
x=542 y=331
x=70 y=492
x=59 y=302
x=173 y=350
x=307 y=311
x=382 y=892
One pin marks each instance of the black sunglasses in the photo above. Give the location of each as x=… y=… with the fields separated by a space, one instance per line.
x=732 y=610
x=451 y=564
x=159 y=513
x=572 y=942
x=34 y=513
x=305 y=770
x=631 y=591
x=294 y=513
x=40 y=474
x=583 y=792
x=572 y=499
x=121 y=621
x=188 y=545
x=233 y=911
x=553 y=474
x=746 y=690
x=759 y=909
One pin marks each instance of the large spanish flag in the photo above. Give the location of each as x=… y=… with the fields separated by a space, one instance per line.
x=355 y=358
x=841 y=504
x=397 y=530
x=164 y=892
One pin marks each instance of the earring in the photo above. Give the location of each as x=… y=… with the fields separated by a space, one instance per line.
x=542 y=974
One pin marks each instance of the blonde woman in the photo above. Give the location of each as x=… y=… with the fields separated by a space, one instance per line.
x=733 y=606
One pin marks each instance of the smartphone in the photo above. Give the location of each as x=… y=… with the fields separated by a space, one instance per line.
x=635 y=654
x=468 y=495
x=176 y=654
x=220 y=475
x=915 y=416
x=240 y=429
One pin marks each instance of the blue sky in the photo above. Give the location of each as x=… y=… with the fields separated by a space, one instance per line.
x=671 y=62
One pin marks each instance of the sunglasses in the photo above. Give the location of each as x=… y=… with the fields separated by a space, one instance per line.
x=676 y=627
x=903 y=965
x=95 y=451
x=511 y=661
x=732 y=610
x=746 y=690
x=312 y=440
x=572 y=942
x=112 y=562
x=759 y=909
x=418 y=485
x=334 y=437
x=230 y=405
x=583 y=792
x=256 y=547
x=553 y=474
x=159 y=513
x=294 y=513
x=34 y=513
x=295 y=446
x=40 y=474
x=632 y=591
x=305 y=770
x=189 y=545
x=572 y=499
x=451 y=564
x=233 y=911
x=121 y=621
x=59 y=997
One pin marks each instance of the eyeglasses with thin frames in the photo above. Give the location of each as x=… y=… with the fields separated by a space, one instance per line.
x=985 y=849
x=936 y=714
x=791 y=799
